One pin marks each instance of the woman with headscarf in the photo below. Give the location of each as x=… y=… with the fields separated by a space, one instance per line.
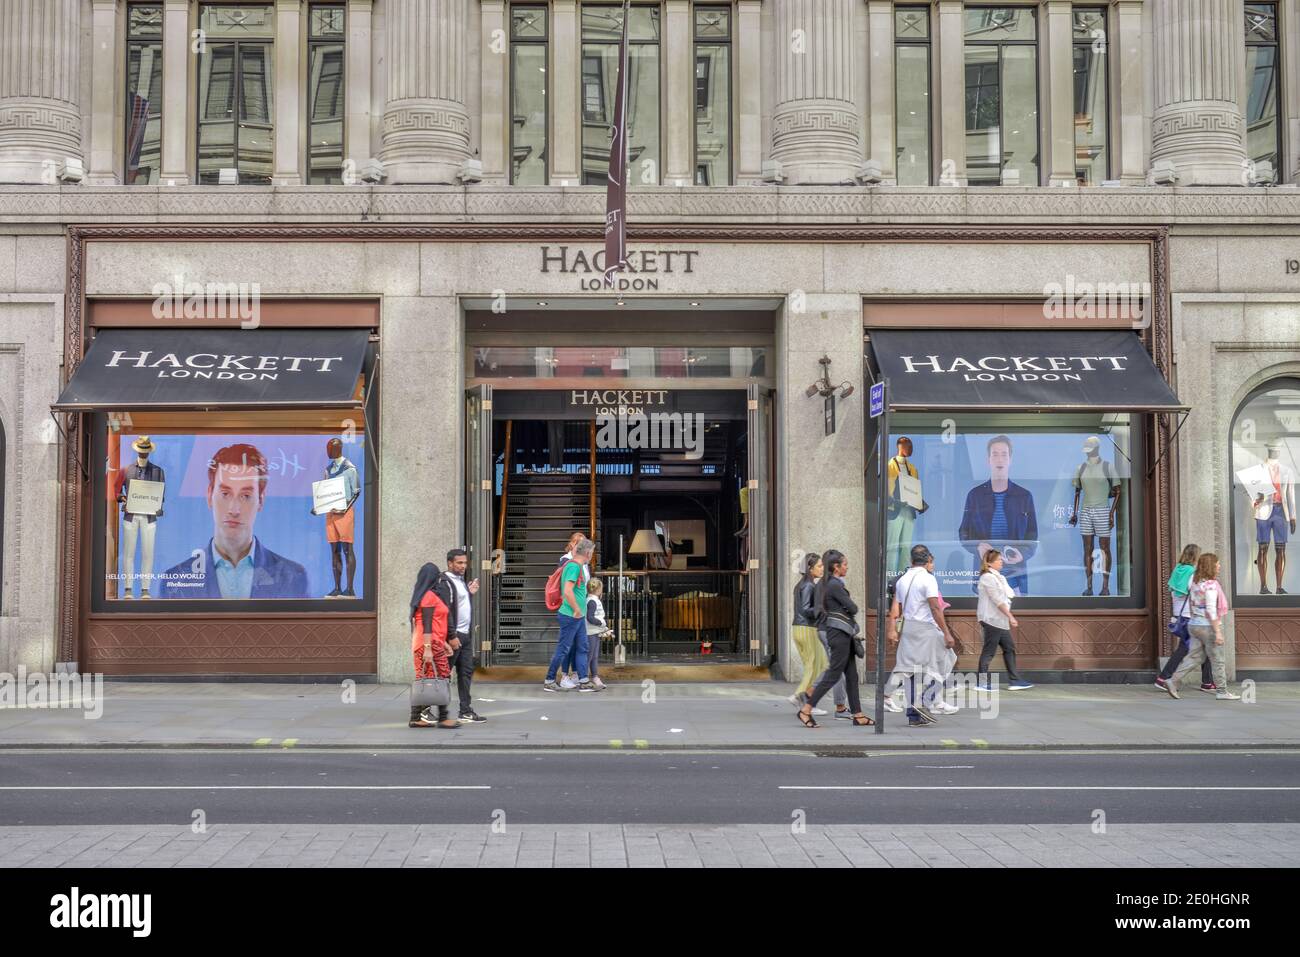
x=430 y=602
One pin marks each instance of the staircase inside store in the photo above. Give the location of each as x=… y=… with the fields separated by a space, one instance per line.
x=542 y=509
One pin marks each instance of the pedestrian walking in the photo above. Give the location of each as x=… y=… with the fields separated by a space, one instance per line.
x=812 y=656
x=597 y=629
x=568 y=670
x=837 y=612
x=996 y=622
x=572 y=616
x=1180 y=581
x=925 y=642
x=1208 y=605
x=429 y=616
x=461 y=625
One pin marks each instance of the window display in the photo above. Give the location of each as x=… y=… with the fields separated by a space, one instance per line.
x=235 y=516
x=1265 y=450
x=1051 y=493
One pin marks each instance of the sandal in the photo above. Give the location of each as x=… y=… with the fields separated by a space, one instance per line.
x=807 y=720
x=862 y=721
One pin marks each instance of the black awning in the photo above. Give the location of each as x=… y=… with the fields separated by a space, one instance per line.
x=1020 y=370
x=218 y=368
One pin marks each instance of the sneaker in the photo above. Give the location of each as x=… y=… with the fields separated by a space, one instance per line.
x=846 y=714
x=1211 y=688
x=1263 y=590
x=334 y=594
x=925 y=713
x=348 y=593
x=943 y=707
x=144 y=595
x=1160 y=683
x=918 y=722
x=1020 y=685
x=891 y=705
x=598 y=684
x=552 y=686
x=796 y=700
x=986 y=688
x=1226 y=695
x=1171 y=690
x=919 y=716
x=567 y=683
x=819 y=712
x=472 y=717
x=420 y=722
x=586 y=687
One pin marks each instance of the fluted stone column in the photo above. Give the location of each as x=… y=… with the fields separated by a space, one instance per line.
x=426 y=131
x=1197 y=125
x=40 y=59
x=816 y=129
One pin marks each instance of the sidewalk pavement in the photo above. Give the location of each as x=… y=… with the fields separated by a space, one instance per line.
x=650 y=845
x=648 y=715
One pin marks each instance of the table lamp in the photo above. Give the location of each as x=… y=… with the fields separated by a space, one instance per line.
x=645 y=542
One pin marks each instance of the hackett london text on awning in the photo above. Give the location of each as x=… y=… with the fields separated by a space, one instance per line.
x=1020 y=369
x=218 y=368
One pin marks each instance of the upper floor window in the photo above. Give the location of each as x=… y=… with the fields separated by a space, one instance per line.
x=912 y=95
x=143 y=93
x=1001 y=96
x=1263 y=128
x=712 y=96
x=325 y=103
x=528 y=47
x=1091 y=102
x=236 y=136
x=602 y=28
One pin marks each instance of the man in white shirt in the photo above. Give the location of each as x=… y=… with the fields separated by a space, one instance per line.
x=925 y=642
x=460 y=622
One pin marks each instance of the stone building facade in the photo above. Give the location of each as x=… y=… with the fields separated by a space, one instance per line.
x=837 y=166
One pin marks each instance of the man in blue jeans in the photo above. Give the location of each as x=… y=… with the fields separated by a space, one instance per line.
x=572 y=618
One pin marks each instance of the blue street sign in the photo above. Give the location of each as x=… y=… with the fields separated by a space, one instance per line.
x=877 y=404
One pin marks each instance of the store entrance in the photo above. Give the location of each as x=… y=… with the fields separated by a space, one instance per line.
x=670 y=484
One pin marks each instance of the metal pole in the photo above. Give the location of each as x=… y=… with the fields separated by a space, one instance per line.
x=882 y=565
x=620 y=653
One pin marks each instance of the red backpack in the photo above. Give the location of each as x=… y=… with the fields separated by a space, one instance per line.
x=554 y=595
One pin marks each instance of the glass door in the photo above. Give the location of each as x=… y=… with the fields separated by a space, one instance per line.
x=478 y=512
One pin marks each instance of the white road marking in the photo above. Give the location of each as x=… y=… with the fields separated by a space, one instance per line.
x=250 y=787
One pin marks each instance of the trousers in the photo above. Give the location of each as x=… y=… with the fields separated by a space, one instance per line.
x=138 y=528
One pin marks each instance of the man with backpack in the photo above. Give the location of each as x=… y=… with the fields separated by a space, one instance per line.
x=566 y=595
x=1096 y=483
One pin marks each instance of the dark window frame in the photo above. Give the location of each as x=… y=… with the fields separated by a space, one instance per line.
x=133 y=43
x=544 y=41
x=341 y=94
x=926 y=44
x=696 y=43
x=1038 y=86
x=1106 y=81
x=606 y=107
x=1279 y=78
x=238 y=46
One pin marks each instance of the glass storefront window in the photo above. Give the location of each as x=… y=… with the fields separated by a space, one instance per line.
x=658 y=362
x=143 y=94
x=712 y=96
x=528 y=95
x=230 y=513
x=325 y=95
x=602 y=28
x=1263 y=129
x=1001 y=96
x=912 y=94
x=1265 y=464
x=1054 y=493
x=1091 y=103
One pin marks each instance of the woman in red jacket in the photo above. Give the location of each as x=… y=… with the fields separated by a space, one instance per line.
x=429 y=604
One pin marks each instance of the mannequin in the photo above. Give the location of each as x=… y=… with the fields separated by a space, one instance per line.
x=340 y=523
x=139 y=528
x=1096 y=483
x=902 y=517
x=1275 y=516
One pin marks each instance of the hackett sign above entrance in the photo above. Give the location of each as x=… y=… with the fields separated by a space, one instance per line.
x=644 y=266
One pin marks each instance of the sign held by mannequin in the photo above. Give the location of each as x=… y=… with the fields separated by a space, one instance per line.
x=143 y=497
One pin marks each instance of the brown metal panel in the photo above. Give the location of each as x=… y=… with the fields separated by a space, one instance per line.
x=309 y=313
x=878 y=314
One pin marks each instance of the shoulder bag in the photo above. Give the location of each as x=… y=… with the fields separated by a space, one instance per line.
x=1178 y=624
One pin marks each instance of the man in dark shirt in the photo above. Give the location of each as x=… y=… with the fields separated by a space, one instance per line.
x=1000 y=514
x=138 y=528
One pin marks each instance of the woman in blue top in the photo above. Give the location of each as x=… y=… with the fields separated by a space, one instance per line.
x=1179 y=582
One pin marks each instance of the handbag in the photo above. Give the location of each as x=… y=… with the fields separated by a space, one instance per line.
x=430 y=692
x=1178 y=624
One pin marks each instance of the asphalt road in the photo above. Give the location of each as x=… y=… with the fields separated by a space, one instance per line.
x=355 y=787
